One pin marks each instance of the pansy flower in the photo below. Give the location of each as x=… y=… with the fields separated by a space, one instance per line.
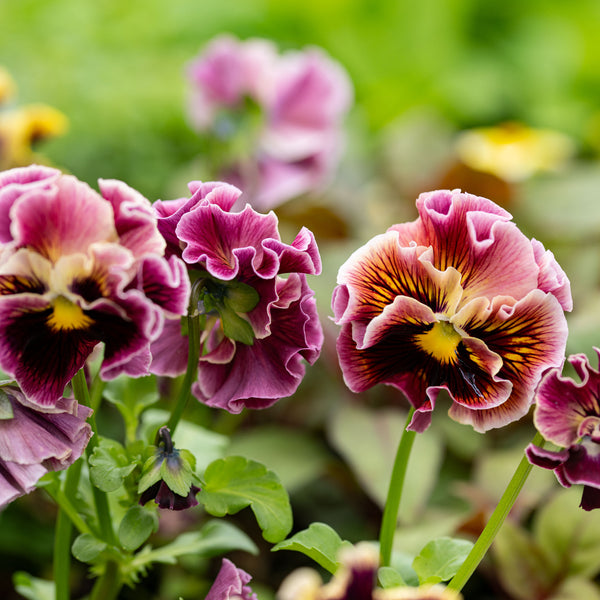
x=258 y=326
x=355 y=579
x=33 y=442
x=78 y=268
x=275 y=117
x=457 y=300
x=231 y=584
x=567 y=414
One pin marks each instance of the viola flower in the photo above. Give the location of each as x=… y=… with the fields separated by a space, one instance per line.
x=257 y=326
x=168 y=476
x=568 y=415
x=231 y=584
x=78 y=268
x=355 y=579
x=276 y=117
x=33 y=442
x=458 y=300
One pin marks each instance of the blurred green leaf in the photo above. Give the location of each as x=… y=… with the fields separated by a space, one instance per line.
x=576 y=588
x=319 y=542
x=568 y=536
x=233 y=483
x=521 y=564
x=294 y=455
x=440 y=559
x=368 y=440
x=33 y=588
x=390 y=578
x=87 y=547
x=109 y=465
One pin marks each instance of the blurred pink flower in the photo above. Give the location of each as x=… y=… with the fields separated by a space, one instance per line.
x=231 y=584
x=33 y=442
x=257 y=326
x=78 y=268
x=568 y=415
x=458 y=300
x=281 y=113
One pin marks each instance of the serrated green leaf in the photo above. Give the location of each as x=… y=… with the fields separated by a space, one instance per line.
x=440 y=559
x=136 y=527
x=319 y=542
x=233 y=483
x=390 y=578
x=33 y=588
x=87 y=547
x=109 y=465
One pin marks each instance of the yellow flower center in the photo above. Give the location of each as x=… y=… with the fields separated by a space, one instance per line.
x=440 y=341
x=67 y=315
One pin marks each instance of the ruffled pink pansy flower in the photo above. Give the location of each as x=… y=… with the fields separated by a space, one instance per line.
x=355 y=579
x=78 y=268
x=259 y=320
x=33 y=442
x=231 y=584
x=567 y=414
x=457 y=300
x=279 y=115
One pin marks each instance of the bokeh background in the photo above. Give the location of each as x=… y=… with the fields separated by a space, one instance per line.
x=427 y=76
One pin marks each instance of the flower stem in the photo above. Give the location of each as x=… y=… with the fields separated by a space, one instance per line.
x=63 y=532
x=107 y=586
x=495 y=522
x=390 y=513
x=190 y=373
x=80 y=389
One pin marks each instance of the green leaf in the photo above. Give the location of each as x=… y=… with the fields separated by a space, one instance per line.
x=521 y=566
x=87 y=548
x=568 y=536
x=233 y=483
x=6 y=410
x=390 y=578
x=241 y=297
x=576 y=588
x=440 y=559
x=214 y=539
x=368 y=440
x=131 y=397
x=319 y=542
x=296 y=456
x=205 y=445
x=136 y=527
x=236 y=327
x=110 y=464
x=33 y=588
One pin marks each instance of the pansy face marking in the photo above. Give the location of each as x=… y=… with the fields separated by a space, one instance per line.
x=458 y=300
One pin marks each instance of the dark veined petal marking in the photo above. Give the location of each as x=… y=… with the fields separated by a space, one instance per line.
x=18 y=284
x=382 y=270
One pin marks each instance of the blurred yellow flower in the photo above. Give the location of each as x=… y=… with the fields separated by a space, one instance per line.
x=513 y=151
x=22 y=126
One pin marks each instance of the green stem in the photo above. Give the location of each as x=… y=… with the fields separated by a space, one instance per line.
x=82 y=395
x=389 y=521
x=498 y=517
x=107 y=586
x=190 y=373
x=63 y=533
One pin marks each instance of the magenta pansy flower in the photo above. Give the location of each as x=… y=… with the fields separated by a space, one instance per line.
x=567 y=414
x=258 y=316
x=77 y=268
x=231 y=584
x=458 y=300
x=279 y=115
x=33 y=442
